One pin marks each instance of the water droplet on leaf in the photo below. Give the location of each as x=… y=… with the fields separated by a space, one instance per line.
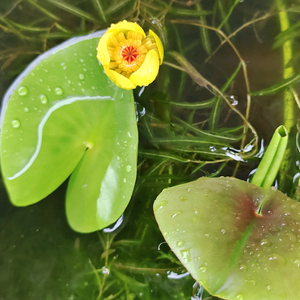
x=277 y=258
x=128 y=168
x=291 y=237
x=177 y=213
x=206 y=191
x=265 y=242
x=186 y=254
x=180 y=243
x=203 y=269
x=58 y=91
x=15 y=123
x=243 y=268
x=297 y=262
x=160 y=205
x=43 y=99
x=23 y=91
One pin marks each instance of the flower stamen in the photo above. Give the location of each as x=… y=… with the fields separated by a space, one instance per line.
x=130 y=54
x=127 y=51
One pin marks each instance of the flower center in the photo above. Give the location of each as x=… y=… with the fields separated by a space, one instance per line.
x=129 y=54
x=127 y=51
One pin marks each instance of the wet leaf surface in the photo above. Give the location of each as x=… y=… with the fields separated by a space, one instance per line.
x=238 y=240
x=63 y=116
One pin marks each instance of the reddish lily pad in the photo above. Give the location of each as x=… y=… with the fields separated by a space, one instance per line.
x=240 y=241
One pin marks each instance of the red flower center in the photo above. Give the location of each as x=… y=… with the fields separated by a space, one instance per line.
x=130 y=54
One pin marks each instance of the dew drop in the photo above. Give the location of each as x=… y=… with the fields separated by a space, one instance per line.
x=243 y=268
x=223 y=231
x=291 y=237
x=266 y=243
x=186 y=254
x=183 y=198
x=43 y=99
x=268 y=287
x=239 y=297
x=160 y=205
x=277 y=258
x=206 y=191
x=180 y=243
x=124 y=180
x=177 y=213
x=191 y=189
x=23 y=91
x=58 y=91
x=81 y=76
x=26 y=109
x=128 y=168
x=203 y=269
x=252 y=282
x=297 y=262
x=105 y=270
x=149 y=71
x=15 y=123
x=194 y=220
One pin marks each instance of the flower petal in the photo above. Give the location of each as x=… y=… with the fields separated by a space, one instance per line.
x=119 y=80
x=124 y=25
x=158 y=44
x=147 y=71
x=102 y=52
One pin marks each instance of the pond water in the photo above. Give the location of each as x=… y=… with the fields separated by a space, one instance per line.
x=40 y=256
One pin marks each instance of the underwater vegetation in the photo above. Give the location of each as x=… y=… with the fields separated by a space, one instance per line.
x=99 y=142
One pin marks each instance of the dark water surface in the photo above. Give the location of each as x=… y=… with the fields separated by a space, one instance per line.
x=40 y=256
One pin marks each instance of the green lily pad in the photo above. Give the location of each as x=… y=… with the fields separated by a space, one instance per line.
x=63 y=116
x=238 y=240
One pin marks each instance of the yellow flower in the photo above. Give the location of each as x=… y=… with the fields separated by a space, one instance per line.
x=129 y=57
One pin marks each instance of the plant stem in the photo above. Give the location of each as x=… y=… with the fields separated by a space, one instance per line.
x=271 y=161
x=288 y=120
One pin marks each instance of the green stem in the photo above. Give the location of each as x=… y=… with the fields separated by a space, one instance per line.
x=271 y=161
x=288 y=72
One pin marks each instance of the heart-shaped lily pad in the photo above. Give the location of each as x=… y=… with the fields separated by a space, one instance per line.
x=238 y=240
x=63 y=116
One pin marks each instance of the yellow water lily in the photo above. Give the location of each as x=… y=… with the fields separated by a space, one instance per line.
x=129 y=57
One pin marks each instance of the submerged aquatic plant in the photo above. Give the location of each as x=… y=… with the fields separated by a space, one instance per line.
x=184 y=134
x=129 y=57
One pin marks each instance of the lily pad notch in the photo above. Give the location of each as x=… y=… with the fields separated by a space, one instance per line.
x=63 y=117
